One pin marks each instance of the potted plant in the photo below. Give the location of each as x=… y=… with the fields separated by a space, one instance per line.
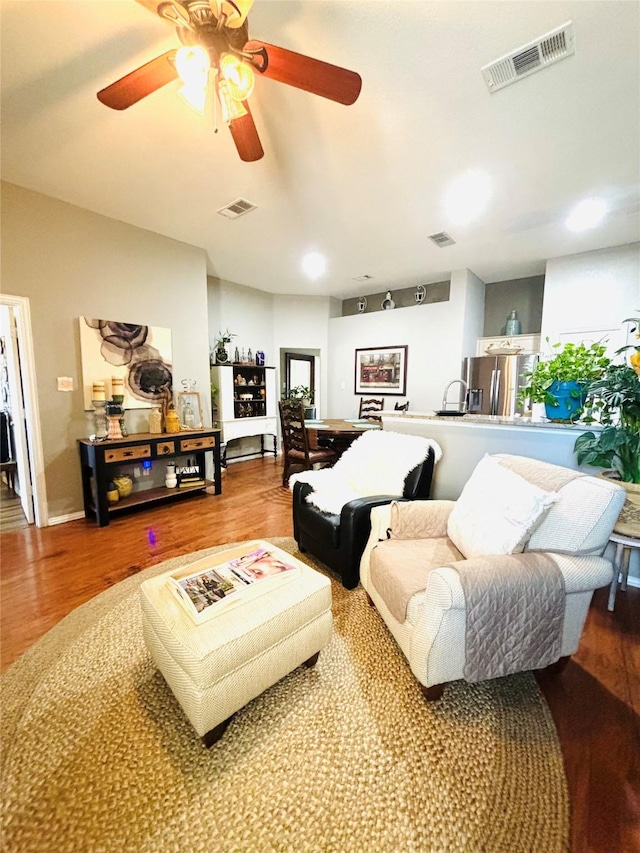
x=561 y=381
x=221 y=354
x=302 y=393
x=613 y=401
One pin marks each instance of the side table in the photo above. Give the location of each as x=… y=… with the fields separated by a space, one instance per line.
x=624 y=547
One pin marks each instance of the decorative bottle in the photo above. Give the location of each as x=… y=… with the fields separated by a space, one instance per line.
x=250 y=356
x=171 y=420
x=155 y=420
x=188 y=417
x=170 y=478
x=513 y=324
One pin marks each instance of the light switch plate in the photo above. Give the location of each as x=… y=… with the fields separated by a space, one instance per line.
x=65 y=383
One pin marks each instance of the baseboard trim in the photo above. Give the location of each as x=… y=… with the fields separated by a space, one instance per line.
x=62 y=519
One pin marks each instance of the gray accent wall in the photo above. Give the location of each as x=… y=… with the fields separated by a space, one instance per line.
x=72 y=263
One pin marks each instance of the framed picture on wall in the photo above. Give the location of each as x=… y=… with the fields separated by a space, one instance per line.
x=381 y=369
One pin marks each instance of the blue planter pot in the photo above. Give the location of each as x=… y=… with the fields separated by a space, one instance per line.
x=570 y=397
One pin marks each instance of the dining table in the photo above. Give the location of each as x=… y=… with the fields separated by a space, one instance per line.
x=339 y=433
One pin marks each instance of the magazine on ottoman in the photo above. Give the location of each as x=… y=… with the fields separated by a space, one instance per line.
x=209 y=584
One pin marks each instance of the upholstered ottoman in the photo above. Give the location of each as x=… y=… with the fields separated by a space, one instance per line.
x=245 y=645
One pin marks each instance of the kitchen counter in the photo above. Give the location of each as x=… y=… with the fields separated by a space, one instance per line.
x=496 y=420
x=465 y=440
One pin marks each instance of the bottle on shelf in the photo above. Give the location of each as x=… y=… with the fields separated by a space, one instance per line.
x=236 y=355
x=188 y=416
x=249 y=355
x=513 y=326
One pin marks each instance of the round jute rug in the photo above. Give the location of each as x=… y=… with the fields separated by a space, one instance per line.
x=346 y=757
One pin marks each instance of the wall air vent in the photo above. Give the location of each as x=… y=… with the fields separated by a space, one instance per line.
x=442 y=239
x=529 y=58
x=237 y=208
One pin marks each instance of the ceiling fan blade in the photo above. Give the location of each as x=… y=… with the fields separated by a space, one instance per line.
x=131 y=88
x=303 y=72
x=245 y=136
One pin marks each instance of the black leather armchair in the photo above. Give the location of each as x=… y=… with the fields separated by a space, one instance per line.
x=339 y=540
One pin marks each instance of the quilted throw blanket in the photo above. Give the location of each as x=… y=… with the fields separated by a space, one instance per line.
x=376 y=464
x=515 y=613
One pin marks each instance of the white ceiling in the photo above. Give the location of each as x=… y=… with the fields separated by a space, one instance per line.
x=362 y=184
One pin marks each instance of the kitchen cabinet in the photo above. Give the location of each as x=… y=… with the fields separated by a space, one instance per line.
x=508 y=345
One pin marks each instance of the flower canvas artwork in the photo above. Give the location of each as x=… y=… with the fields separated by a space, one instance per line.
x=138 y=355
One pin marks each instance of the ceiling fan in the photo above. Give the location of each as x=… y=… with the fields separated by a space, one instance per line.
x=215 y=41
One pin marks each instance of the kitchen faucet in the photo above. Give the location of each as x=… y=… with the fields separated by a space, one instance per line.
x=463 y=405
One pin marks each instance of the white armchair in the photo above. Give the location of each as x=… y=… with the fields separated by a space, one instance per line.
x=499 y=581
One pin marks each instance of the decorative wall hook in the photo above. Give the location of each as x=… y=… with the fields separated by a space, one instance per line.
x=420 y=294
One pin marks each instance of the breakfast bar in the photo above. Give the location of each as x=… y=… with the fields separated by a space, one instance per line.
x=465 y=440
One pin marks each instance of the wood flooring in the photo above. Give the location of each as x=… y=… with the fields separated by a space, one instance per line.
x=595 y=701
x=11 y=515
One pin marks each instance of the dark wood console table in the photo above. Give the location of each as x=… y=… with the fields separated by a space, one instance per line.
x=101 y=460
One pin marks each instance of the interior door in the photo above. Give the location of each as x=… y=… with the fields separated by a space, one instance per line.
x=19 y=421
x=299 y=370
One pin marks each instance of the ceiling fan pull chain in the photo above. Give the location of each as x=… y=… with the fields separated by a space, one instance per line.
x=215 y=101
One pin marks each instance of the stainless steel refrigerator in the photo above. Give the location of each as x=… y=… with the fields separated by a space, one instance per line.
x=494 y=382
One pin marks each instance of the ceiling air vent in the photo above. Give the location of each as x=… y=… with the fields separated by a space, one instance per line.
x=529 y=58
x=442 y=239
x=237 y=208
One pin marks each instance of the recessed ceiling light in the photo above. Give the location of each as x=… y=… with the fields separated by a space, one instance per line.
x=314 y=265
x=586 y=214
x=467 y=197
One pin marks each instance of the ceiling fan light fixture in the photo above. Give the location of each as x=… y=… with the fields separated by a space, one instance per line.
x=239 y=76
x=195 y=95
x=192 y=65
x=231 y=107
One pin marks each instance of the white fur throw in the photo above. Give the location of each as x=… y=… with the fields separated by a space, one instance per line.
x=376 y=464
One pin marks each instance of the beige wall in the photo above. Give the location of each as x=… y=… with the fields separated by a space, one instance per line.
x=72 y=263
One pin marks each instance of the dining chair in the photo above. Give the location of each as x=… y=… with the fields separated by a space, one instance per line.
x=369 y=408
x=401 y=407
x=295 y=441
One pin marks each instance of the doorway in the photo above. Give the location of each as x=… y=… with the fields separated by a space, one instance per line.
x=300 y=367
x=20 y=403
x=299 y=370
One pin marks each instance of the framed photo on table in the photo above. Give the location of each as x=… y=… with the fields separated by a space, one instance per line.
x=381 y=370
